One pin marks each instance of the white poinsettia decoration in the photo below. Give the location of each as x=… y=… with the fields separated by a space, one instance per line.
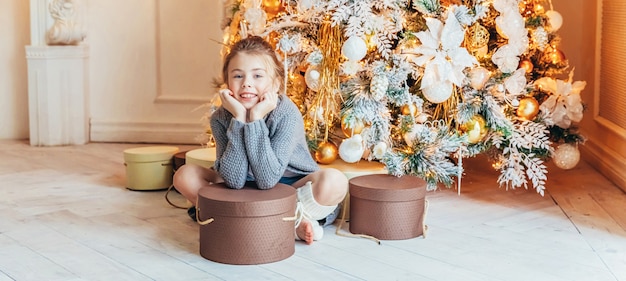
x=564 y=105
x=510 y=25
x=442 y=57
x=516 y=83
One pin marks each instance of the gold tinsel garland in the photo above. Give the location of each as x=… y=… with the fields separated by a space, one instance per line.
x=328 y=94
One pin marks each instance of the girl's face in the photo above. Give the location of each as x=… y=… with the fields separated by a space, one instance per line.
x=249 y=78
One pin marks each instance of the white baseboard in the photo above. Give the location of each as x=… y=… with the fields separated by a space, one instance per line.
x=608 y=162
x=145 y=132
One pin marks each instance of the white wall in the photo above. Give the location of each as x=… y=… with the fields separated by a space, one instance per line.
x=14 y=35
x=150 y=65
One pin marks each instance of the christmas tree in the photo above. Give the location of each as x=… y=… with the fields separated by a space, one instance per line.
x=419 y=85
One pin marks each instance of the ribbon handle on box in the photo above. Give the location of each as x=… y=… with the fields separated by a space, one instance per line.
x=202 y=222
x=349 y=234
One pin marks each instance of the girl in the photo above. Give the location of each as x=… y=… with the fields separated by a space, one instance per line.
x=260 y=140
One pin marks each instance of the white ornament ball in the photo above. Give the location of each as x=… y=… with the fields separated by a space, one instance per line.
x=566 y=156
x=555 y=19
x=422 y=118
x=351 y=149
x=439 y=92
x=354 y=48
x=379 y=150
x=350 y=67
x=312 y=79
x=478 y=77
x=410 y=135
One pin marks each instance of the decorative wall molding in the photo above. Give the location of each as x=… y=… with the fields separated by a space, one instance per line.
x=144 y=132
x=185 y=64
x=611 y=127
x=604 y=158
x=57 y=52
x=610 y=104
x=607 y=161
x=182 y=99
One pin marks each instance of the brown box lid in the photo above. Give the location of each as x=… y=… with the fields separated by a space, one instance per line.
x=379 y=187
x=219 y=200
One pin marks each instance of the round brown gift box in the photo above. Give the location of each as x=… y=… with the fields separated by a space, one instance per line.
x=179 y=159
x=247 y=226
x=387 y=207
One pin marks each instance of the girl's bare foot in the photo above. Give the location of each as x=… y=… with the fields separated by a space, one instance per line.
x=304 y=231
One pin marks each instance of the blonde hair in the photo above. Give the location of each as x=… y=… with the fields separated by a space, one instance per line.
x=255 y=45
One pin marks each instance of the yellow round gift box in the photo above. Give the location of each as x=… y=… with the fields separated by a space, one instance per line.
x=204 y=157
x=150 y=167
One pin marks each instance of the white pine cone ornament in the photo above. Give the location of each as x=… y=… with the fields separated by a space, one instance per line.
x=378 y=86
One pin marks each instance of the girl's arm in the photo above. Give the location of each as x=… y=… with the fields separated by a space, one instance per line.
x=231 y=161
x=269 y=149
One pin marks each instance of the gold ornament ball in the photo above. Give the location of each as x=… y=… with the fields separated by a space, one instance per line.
x=476 y=37
x=297 y=84
x=273 y=38
x=528 y=108
x=409 y=109
x=527 y=65
x=326 y=153
x=355 y=129
x=476 y=128
x=554 y=56
x=272 y=7
x=566 y=156
x=558 y=57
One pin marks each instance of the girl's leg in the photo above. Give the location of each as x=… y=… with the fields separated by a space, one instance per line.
x=189 y=178
x=329 y=186
x=319 y=194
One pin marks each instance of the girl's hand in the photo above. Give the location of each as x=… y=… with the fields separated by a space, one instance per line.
x=232 y=105
x=267 y=103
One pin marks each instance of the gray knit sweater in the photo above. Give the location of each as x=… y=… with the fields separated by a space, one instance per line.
x=267 y=147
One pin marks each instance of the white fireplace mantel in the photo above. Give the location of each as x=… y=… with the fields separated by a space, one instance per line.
x=58 y=88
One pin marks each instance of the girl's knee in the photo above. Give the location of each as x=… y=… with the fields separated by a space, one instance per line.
x=338 y=178
x=186 y=174
x=334 y=185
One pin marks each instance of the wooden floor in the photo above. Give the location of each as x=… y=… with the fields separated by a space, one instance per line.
x=66 y=215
